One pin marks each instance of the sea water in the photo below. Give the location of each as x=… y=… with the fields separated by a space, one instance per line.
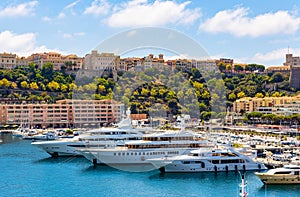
x=26 y=170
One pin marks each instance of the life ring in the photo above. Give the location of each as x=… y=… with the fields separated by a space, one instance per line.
x=142 y=158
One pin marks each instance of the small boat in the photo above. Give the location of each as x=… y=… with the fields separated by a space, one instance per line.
x=288 y=174
x=46 y=136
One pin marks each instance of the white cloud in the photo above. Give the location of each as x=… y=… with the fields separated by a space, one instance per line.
x=238 y=23
x=71 y=5
x=23 y=9
x=143 y=13
x=79 y=34
x=46 y=18
x=21 y=44
x=274 y=56
x=68 y=35
x=61 y=15
x=98 y=7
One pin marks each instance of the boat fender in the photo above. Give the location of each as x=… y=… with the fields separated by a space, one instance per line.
x=216 y=169
x=142 y=158
x=236 y=168
x=259 y=166
x=226 y=168
x=244 y=167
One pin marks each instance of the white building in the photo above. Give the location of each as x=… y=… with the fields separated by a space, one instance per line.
x=102 y=61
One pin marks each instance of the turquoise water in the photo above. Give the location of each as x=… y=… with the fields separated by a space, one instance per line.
x=27 y=171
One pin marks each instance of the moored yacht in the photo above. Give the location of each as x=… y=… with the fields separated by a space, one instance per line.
x=96 y=138
x=207 y=160
x=166 y=143
x=288 y=174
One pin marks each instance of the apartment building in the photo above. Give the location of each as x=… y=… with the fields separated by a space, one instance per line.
x=63 y=113
x=248 y=104
x=59 y=61
x=10 y=61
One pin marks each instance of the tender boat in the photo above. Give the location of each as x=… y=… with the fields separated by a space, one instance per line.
x=288 y=174
x=217 y=159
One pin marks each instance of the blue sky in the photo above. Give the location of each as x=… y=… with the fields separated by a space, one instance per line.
x=247 y=31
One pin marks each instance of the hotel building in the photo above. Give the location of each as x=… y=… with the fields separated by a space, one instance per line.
x=63 y=113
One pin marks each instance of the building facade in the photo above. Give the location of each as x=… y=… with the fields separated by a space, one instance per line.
x=69 y=62
x=63 y=113
x=248 y=104
x=101 y=61
x=10 y=61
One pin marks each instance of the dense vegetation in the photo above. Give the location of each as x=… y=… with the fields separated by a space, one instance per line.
x=154 y=91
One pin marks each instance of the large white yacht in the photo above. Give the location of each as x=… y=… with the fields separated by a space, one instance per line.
x=288 y=174
x=96 y=138
x=106 y=137
x=164 y=143
x=220 y=158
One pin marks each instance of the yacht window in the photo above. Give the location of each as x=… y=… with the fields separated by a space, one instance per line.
x=286 y=172
x=186 y=162
x=135 y=153
x=215 y=161
x=296 y=172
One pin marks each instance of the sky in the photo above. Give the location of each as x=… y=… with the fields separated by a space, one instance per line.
x=256 y=31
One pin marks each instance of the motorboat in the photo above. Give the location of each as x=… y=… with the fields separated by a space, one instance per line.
x=220 y=158
x=288 y=174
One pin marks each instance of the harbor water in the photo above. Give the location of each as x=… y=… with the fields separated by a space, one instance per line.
x=28 y=171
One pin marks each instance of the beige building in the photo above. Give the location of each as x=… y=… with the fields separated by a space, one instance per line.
x=10 y=61
x=70 y=62
x=249 y=104
x=64 y=113
x=101 y=61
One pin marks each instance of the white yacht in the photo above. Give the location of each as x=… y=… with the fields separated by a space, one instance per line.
x=96 y=138
x=207 y=160
x=288 y=174
x=166 y=143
